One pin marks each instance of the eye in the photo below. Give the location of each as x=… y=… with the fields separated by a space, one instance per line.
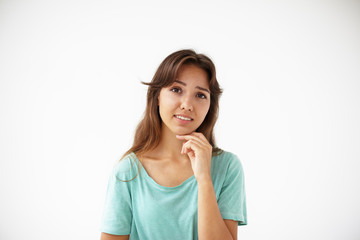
x=201 y=95
x=175 y=90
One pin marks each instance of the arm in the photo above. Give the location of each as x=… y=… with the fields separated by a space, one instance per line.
x=211 y=225
x=106 y=236
x=233 y=227
x=117 y=214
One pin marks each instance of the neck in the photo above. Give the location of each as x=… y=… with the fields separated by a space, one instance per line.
x=169 y=146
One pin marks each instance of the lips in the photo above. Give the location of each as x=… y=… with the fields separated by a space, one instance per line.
x=183 y=117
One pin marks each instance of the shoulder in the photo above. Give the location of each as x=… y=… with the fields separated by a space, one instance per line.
x=226 y=163
x=127 y=166
x=227 y=158
x=226 y=170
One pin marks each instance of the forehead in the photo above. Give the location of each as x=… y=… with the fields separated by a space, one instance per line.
x=193 y=75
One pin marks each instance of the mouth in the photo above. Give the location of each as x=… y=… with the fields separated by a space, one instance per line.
x=184 y=118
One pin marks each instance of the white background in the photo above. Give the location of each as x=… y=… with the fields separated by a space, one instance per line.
x=70 y=98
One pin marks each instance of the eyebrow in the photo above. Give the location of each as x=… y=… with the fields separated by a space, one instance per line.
x=198 y=87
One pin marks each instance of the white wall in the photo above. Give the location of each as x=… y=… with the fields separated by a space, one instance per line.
x=70 y=98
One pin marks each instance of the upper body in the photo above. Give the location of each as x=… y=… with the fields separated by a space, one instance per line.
x=145 y=209
x=185 y=188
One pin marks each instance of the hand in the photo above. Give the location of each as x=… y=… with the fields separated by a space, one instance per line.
x=199 y=151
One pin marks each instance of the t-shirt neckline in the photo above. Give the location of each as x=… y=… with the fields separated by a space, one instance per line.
x=153 y=182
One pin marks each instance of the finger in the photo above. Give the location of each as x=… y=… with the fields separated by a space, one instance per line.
x=191 y=146
x=197 y=142
x=200 y=135
x=202 y=141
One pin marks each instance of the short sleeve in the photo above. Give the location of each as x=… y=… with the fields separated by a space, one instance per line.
x=117 y=213
x=232 y=199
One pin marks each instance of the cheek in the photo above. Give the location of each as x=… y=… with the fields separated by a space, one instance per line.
x=167 y=100
x=208 y=108
x=166 y=103
x=204 y=109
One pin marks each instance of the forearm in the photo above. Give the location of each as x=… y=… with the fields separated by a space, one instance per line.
x=210 y=222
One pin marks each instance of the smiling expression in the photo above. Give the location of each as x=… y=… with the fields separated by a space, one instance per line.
x=184 y=104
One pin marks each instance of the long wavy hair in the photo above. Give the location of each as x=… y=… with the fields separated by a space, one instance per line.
x=148 y=132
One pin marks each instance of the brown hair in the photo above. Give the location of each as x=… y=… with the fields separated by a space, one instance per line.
x=148 y=131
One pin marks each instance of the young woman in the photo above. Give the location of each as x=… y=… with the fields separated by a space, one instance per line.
x=174 y=183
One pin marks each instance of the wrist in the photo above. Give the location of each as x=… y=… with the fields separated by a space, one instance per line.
x=204 y=180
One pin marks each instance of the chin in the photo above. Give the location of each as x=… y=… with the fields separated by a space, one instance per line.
x=184 y=131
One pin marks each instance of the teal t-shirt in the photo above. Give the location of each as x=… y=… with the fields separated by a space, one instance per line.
x=144 y=209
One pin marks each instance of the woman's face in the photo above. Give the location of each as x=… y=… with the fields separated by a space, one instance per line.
x=184 y=104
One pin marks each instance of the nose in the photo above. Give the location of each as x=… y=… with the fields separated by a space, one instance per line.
x=186 y=104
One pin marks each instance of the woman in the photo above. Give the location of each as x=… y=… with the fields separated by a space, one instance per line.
x=174 y=183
